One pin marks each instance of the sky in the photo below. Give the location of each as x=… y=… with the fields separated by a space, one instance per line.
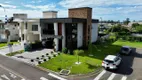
x=107 y=9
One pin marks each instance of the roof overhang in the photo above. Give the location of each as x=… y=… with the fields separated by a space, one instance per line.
x=62 y=20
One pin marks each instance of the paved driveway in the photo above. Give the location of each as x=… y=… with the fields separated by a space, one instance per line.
x=130 y=69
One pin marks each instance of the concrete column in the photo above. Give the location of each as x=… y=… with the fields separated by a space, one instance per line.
x=39 y=27
x=79 y=35
x=56 y=39
x=64 y=36
x=94 y=32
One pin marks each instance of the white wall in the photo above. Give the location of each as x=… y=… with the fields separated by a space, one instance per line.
x=49 y=15
x=79 y=35
x=94 y=32
x=64 y=36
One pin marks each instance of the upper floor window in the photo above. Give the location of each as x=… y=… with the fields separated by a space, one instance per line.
x=34 y=27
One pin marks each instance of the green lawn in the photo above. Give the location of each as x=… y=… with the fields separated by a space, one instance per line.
x=89 y=63
x=65 y=61
x=128 y=43
x=5 y=44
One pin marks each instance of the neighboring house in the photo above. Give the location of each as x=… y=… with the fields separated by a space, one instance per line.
x=73 y=32
x=13 y=28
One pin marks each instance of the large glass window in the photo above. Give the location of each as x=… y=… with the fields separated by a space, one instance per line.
x=34 y=27
x=26 y=25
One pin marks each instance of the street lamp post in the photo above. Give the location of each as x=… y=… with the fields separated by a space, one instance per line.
x=4 y=12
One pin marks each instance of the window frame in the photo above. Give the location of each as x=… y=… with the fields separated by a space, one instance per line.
x=35 y=29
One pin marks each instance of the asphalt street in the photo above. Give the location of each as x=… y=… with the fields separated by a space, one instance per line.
x=130 y=68
x=23 y=71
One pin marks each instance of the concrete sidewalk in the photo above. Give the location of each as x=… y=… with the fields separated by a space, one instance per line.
x=14 y=48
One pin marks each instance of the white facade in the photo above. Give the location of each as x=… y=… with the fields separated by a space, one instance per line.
x=26 y=30
x=79 y=35
x=94 y=30
x=49 y=14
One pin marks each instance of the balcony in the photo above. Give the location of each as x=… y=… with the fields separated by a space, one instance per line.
x=48 y=32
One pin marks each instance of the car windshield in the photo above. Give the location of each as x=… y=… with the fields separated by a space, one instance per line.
x=125 y=49
x=109 y=61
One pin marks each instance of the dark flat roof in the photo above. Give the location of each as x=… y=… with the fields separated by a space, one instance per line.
x=49 y=11
x=62 y=20
x=66 y=20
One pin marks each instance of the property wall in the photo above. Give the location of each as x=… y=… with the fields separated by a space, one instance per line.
x=79 y=35
x=94 y=32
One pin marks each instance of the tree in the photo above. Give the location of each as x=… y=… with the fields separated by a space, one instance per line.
x=127 y=21
x=139 y=29
x=77 y=52
x=134 y=25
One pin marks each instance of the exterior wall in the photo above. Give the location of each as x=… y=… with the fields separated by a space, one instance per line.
x=14 y=32
x=85 y=13
x=30 y=35
x=94 y=32
x=50 y=14
x=79 y=35
x=56 y=39
x=64 y=36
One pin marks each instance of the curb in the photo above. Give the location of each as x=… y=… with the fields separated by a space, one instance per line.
x=86 y=75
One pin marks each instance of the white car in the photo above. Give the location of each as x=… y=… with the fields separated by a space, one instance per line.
x=111 y=62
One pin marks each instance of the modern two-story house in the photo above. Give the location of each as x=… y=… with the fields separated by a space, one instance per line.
x=72 y=32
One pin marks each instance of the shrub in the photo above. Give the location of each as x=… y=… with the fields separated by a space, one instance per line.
x=42 y=56
x=49 y=57
x=59 y=53
x=44 y=60
x=47 y=54
x=59 y=68
x=52 y=52
x=37 y=58
x=39 y=62
x=54 y=55
x=32 y=60
x=64 y=50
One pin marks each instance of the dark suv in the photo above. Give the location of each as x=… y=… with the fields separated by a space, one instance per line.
x=125 y=50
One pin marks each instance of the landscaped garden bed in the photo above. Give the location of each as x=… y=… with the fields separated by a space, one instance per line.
x=14 y=53
x=5 y=44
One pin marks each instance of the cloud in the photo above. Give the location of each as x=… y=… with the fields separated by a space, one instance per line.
x=8 y=6
x=94 y=3
x=41 y=7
